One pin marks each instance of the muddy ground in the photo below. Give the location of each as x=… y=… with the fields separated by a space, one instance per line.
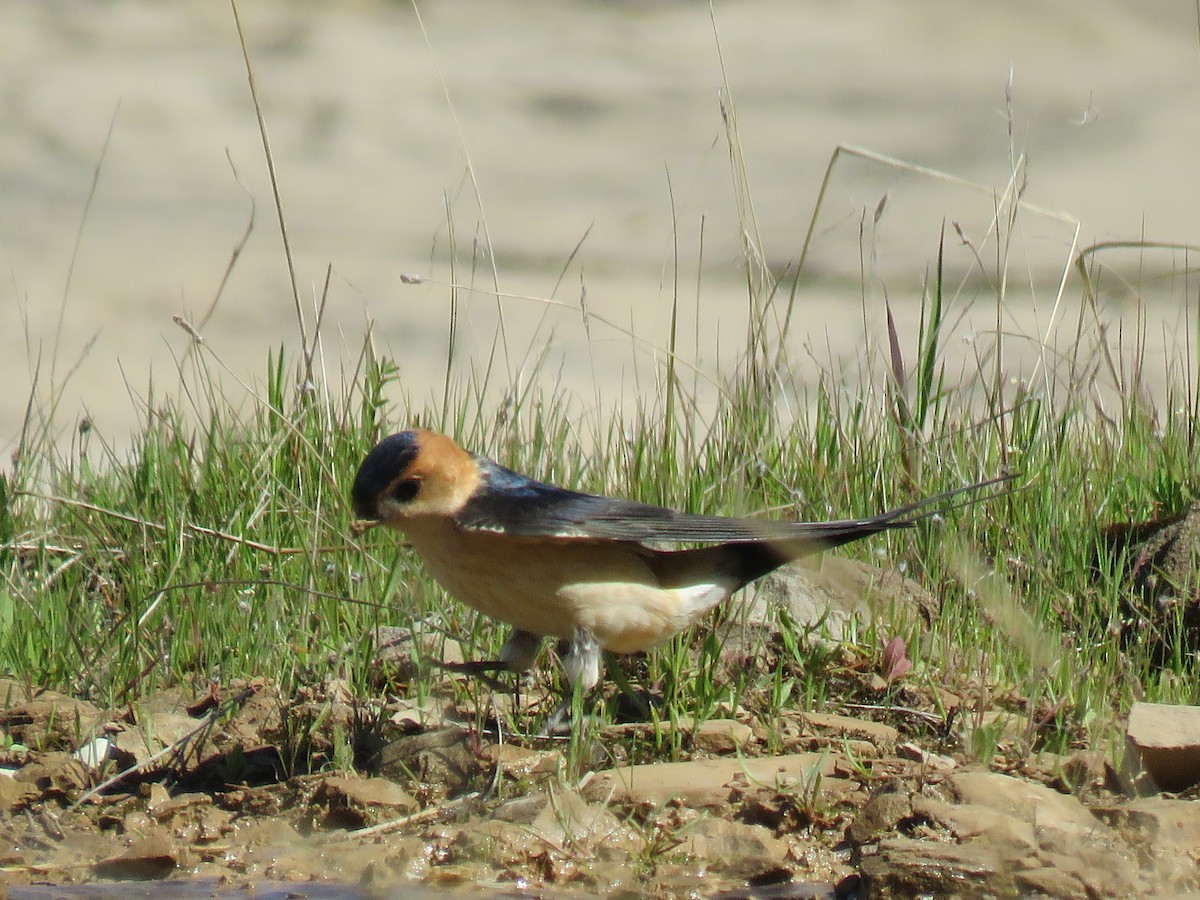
x=243 y=788
x=899 y=787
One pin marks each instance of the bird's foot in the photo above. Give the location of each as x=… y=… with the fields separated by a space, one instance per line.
x=481 y=669
x=563 y=721
x=517 y=655
x=580 y=657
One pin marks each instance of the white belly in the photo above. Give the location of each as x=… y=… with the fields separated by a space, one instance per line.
x=553 y=587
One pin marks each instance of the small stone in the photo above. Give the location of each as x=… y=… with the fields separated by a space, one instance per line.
x=734 y=847
x=1163 y=747
x=1158 y=825
x=146 y=859
x=350 y=798
x=876 y=683
x=722 y=736
x=903 y=867
x=157 y=801
x=442 y=760
x=879 y=734
x=1085 y=768
x=54 y=772
x=522 y=763
x=913 y=753
x=15 y=794
x=703 y=782
x=947 y=700
x=569 y=819
x=413 y=716
x=1049 y=811
x=1050 y=882
x=882 y=811
x=521 y=810
x=396 y=646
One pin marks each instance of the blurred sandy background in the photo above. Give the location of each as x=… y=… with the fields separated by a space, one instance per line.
x=574 y=116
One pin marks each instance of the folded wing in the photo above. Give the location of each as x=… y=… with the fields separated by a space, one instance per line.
x=511 y=503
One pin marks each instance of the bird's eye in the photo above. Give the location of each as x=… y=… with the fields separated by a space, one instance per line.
x=407 y=489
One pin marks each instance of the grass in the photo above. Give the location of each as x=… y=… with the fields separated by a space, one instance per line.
x=219 y=549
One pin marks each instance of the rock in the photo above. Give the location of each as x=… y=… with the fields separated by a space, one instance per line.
x=994 y=726
x=51 y=721
x=936 y=761
x=702 y=782
x=256 y=721
x=834 y=590
x=722 y=736
x=1010 y=835
x=522 y=763
x=904 y=868
x=167 y=725
x=351 y=801
x=882 y=736
x=1166 y=828
x=568 y=818
x=159 y=800
x=1048 y=811
x=190 y=817
x=946 y=700
x=521 y=810
x=54 y=773
x=874 y=683
x=1068 y=837
x=1046 y=881
x=146 y=859
x=440 y=760
x=1012 y=838
x=339 y=693
x=15 y=794
x=885 y=808
x=1094 y=869
x=1082 y=770
x=129 y=746
x=1163 y=747
x=406 y=650
x=423 y=715
x=735 y=848
x=397 y=646
x=13 y=692
x=849 y=887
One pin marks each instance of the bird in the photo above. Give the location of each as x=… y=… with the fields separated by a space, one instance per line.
x=586 y=569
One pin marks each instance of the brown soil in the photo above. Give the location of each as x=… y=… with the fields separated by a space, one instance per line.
x=243 y=787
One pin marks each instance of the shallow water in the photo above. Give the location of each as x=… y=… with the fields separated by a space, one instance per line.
x=591 y=124
x=191 y=890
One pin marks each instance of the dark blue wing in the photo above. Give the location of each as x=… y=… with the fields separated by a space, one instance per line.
x=510 y=503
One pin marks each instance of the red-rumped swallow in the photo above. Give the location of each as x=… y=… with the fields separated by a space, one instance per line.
x=555 y=562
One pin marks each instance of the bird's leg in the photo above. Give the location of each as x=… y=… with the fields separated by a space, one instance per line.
x=520 y=650
x=581 y=665
x=517 y=655
x=634 y=705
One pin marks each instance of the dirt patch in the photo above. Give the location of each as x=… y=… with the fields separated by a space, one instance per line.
x=842 y=806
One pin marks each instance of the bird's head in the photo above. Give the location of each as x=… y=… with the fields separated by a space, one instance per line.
x=411 y=474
